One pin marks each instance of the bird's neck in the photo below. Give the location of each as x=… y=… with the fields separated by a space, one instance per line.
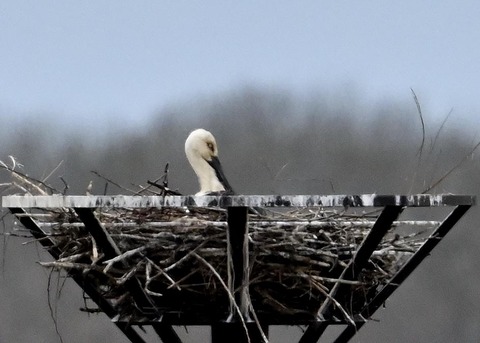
x=206 y=176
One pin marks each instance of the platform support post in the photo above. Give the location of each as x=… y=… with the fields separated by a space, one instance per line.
x=235 y=333
x=232 y=330
x=237 y=252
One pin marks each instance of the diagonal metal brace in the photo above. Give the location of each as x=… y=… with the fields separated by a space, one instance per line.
x=353 y=270
x=98 y=232
x=405 y=271
x=92 y=292
x=166 y=333
x=110 y=250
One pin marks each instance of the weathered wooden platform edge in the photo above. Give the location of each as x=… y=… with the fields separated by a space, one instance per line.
x=121 y=201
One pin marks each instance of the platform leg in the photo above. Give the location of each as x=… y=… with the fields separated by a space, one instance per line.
x=235 y=333
x=237 y=252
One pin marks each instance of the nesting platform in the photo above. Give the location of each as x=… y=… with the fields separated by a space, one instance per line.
x=238 y=263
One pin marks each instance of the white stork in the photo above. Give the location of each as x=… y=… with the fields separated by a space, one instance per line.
x=202 y=153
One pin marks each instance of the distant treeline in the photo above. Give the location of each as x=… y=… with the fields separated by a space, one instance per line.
x=270 y=142
x=274 y=141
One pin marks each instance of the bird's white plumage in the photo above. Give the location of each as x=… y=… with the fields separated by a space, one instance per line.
x=201 y=148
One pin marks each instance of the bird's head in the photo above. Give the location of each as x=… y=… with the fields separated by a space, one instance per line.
x=202 y=153
x=201 y=143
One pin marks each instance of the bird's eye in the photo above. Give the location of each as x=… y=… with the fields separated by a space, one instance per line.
x=210 y=146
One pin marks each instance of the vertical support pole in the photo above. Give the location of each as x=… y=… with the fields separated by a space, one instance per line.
x=235 y=333
x=232 y=330
x=237 y=252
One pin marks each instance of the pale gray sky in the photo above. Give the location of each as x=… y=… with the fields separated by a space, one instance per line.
x=98 y=59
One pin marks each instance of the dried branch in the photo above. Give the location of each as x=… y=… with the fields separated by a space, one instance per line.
x=112 y=182
x=53 y=171
x=437 y=135
x=454 y=168
x=230 y=295
x=420 y=114
x=165 y=190
x=26 y=181
x=420 y=149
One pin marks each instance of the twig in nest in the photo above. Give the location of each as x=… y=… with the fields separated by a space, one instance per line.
x=66 y=187
x=148 y=279
x=165 y=190
x=122 y=257
x=131 y=273
x=230 y=295
x=68 y=265
x=165 y=175
x=339 y=306
x=95 y=254
x=112 y=182
x=73 y=258
x=27 y=180
x=184 y=258
x=161 y=272
x=53 y=171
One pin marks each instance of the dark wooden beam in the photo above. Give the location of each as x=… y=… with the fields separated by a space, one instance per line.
x=352 y=271
x=134 y=286
x=237 y=252
x=238 y=328
x=424 y=251
x=98 y=232
x=235 y=333
x=108 y=247
x=80 y=279
x=166 y=333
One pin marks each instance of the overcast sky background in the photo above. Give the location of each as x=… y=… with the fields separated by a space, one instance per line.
x=99 y=60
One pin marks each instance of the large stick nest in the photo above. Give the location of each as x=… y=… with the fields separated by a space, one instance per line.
x=179 y=257
x=295 y=259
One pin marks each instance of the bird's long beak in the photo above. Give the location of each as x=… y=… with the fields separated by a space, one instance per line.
x=215 y=164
